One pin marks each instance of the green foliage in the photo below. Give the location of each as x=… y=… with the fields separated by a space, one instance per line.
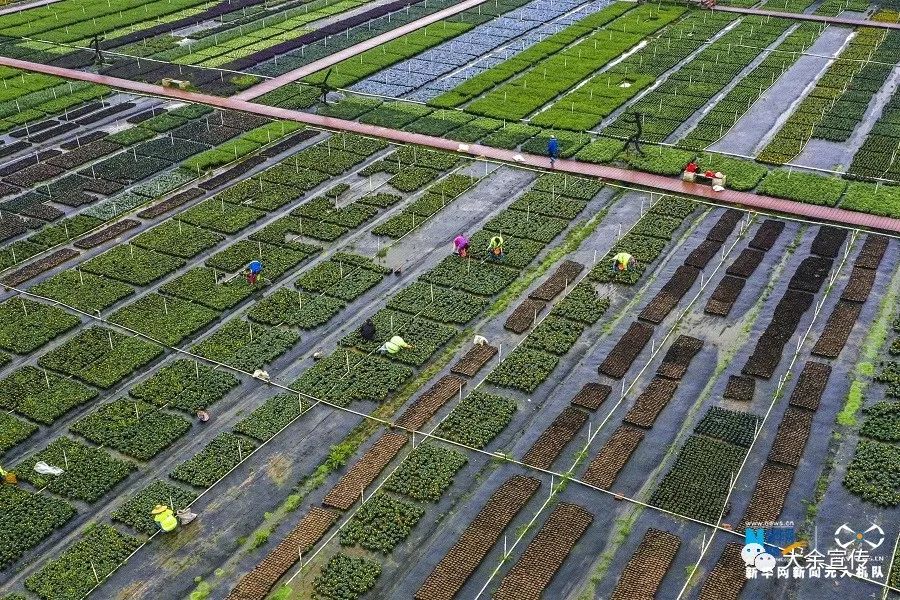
x=14 y=431
x=874 y=473
x=426 y=472
x=209 y=465
x=555 y=335
x=882 y=422
x=803 y=187
x=26 y=325
x=241 y=345
x=582 y=304
x=217 y=215
x=132 y=264
x=381 y=523
x=446 y=306
x=270 y=418
x=523 y=369
x=185 y=385
x=178 y=239
x=478 y=419
x=205 y=286
x=168 y=320
x=874 y=199
x=136 y=511
x=133 y=428
x=27 y=519
x=40 y=395
x=84 y=291
x=373 y=378
x=345 y=578
x=296 y=309
x=735 y=427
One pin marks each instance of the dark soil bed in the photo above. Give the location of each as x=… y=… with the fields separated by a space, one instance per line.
x=724 y=296
x=592 y=395
x=626 y=351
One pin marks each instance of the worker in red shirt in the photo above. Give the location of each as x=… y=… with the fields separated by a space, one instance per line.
x=691 y=167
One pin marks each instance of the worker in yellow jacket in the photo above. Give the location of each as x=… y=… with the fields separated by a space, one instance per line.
x=165 y=518
x=394 y=345
x=623 y=261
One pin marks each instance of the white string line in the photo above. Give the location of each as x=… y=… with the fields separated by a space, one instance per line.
x=627 y=391
x=891 y=567
x=782 y=382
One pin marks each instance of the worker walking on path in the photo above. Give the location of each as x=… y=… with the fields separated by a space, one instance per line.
x=623 y=261
x=164 y=517
x=367 y=331
x=553 y=150
x=394 y=345
x=495 y=247
x=461 y=245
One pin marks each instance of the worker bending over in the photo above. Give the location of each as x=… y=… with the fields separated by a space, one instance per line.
x=495 y=247
x=623 y=261
x=461 y=245
x=165 y=518
x=367 y=331
x=394 y=345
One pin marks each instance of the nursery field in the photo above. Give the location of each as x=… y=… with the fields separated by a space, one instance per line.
x=555 y=427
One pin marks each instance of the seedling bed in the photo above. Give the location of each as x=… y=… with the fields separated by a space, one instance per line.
x=767 y=235
x=364 y=471
x=740 y=388
x=724 y=226
x=209 y=465
x=133 y=428
x=679 y=356
x=626 y=350
x=727 y=579
x=295 y=309
x=553 y=440
x=872 y=251
x=217 y=215
x=702 y=254
x=746 y=263
x=732 y=426
x=276 y=260
x=478 y=419
x=172 y=203
x=31 y=518
x=769 y=495
x=810 y=385
x=88 y=474
x=604 y=468
x=811 y=274
x=42 y=265
x=178 y=239
x=648 y=565
x=539 y=228
x=592 y=395
x=381 y=523
x=463 y=558
x=555 y=335
x=523 y=369
x=837 y=329
x=431 y=401
x=205 y=286
x=167 y=320
x=231 y=174
x=556 y=283
x=26 y=325
x=274 y=415
x=14 y=431
x=670 y=295
x=104 y=235
x=374 y=378
x=550 y=205
x=651 y=402
x=473 y=360
x=582 y=304
x=309 y=530
x=242 y=346
x=40 y=395
x=426 y=472
x=133 y=265
x=770 y=345
x=828 y=241
x=793 y=433
x=136 y=511
x=860 y=284
x=425 y=336
x=873 y=473
x=545 y=554
x=438 y=303
x=185 y=385
x=882 y=422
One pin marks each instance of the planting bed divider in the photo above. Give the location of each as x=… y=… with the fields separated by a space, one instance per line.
x=358 y=477
x=651 y=402
x=648 y=566
x=592 y=395
x=545 y=554
x=702 y=254
x=679 y=356
x=604 y=468
x=746 y=263
x=626 y=351
x=474 y=360
x=769 y=496
x=811 y=274
x=837 y=329
x=671 y=293
x=793 y=433
x=257 y=584
x=524 y=316
x=811 y=385
x=463 y=558
x=727 y=578
x=560 y=280
x=828 y=241
x=39 y=266
x=770 y=345
x=427 y=405
x=109 y=233
x=724 y=296
x=740 y=388
x=560 y=432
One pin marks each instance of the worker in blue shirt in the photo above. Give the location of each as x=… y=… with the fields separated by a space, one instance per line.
x=553 y=150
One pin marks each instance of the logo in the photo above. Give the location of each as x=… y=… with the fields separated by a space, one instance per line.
x=845 y=537
x=754 y=552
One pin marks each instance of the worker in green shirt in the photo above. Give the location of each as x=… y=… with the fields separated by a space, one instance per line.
x=623 y=261
x=394 y=345
x=165 y=518
x=495 y=247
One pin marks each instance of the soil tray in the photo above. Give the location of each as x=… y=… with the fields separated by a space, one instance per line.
x=679 y=356
x=860 y=285
x=770 y=345
x=725 y=226
x=768 y=498
x=560 y=280
x=740 y=388
x=872 y=251
x=256 y=584
x=550 y=444
x=670 y=295
x=347 y=490
x=170 y=203
x=746 y=263
x=545 y=554
x=837 y=329
x=604 y=468
x=793 y=433
x=648 y=565
x=811 y=385
x=39 y=266
x=592 y=395
x=651 y=402
x=463 y=559
x=111 y=232
x=811 y=274
x=727 y=578
x=767 y=235
x=626 y=351
x=427 y=405
x=828 y=241
x=724 y=296
x=474 y=360
x=702 y=254
x=233 y=173
x=524 y=316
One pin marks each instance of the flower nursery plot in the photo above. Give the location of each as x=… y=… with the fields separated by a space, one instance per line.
x=28 y=325
x=133 y=265
x=84 y=291
x=186 y=385
x=40 y=395
x=240 y=345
